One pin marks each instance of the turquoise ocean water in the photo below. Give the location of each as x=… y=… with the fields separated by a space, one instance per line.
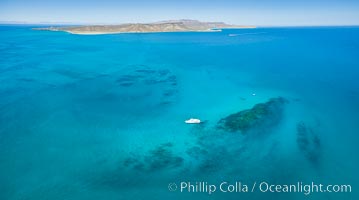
x=102 y=116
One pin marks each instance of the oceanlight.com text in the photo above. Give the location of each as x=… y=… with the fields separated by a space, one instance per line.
x=263 y=187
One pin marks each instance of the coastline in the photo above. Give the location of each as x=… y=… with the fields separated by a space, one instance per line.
x=128 y=32
x=133 y=32
x=159 y=27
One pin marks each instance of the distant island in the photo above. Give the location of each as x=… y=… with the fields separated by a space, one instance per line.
x=163 y=26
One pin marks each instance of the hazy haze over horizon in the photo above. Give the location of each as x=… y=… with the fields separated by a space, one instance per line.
x=242 y=12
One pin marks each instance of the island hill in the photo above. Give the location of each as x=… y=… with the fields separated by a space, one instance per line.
x=163 y=26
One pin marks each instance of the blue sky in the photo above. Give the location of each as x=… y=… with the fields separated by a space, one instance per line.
x=246 y=12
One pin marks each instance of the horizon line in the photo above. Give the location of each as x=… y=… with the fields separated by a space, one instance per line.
x=99 y=24
x=5 y=22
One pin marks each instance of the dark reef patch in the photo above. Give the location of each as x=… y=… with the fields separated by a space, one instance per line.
x=148 y=77
x=163 y=103
x=209 y=158
x=160 y=81
x=308 y=142
x=261 y=115
x=162 y=157
x=169 y=93
x=70 y=73
x=126 y=84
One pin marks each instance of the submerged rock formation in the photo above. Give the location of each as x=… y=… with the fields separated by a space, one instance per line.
x=159 y=158
x=161 y=80
x=147 y=77
x=308 y=142
x=261 y=115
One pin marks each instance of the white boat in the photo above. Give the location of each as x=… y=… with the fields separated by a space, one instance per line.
x=192 y=121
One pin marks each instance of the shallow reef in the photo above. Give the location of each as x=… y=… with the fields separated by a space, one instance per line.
x=210 y=150
x=261 y=115
x=159 y=158
x=153 y=79
x=209 y=157
x=308 y=142
x=147 y=76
